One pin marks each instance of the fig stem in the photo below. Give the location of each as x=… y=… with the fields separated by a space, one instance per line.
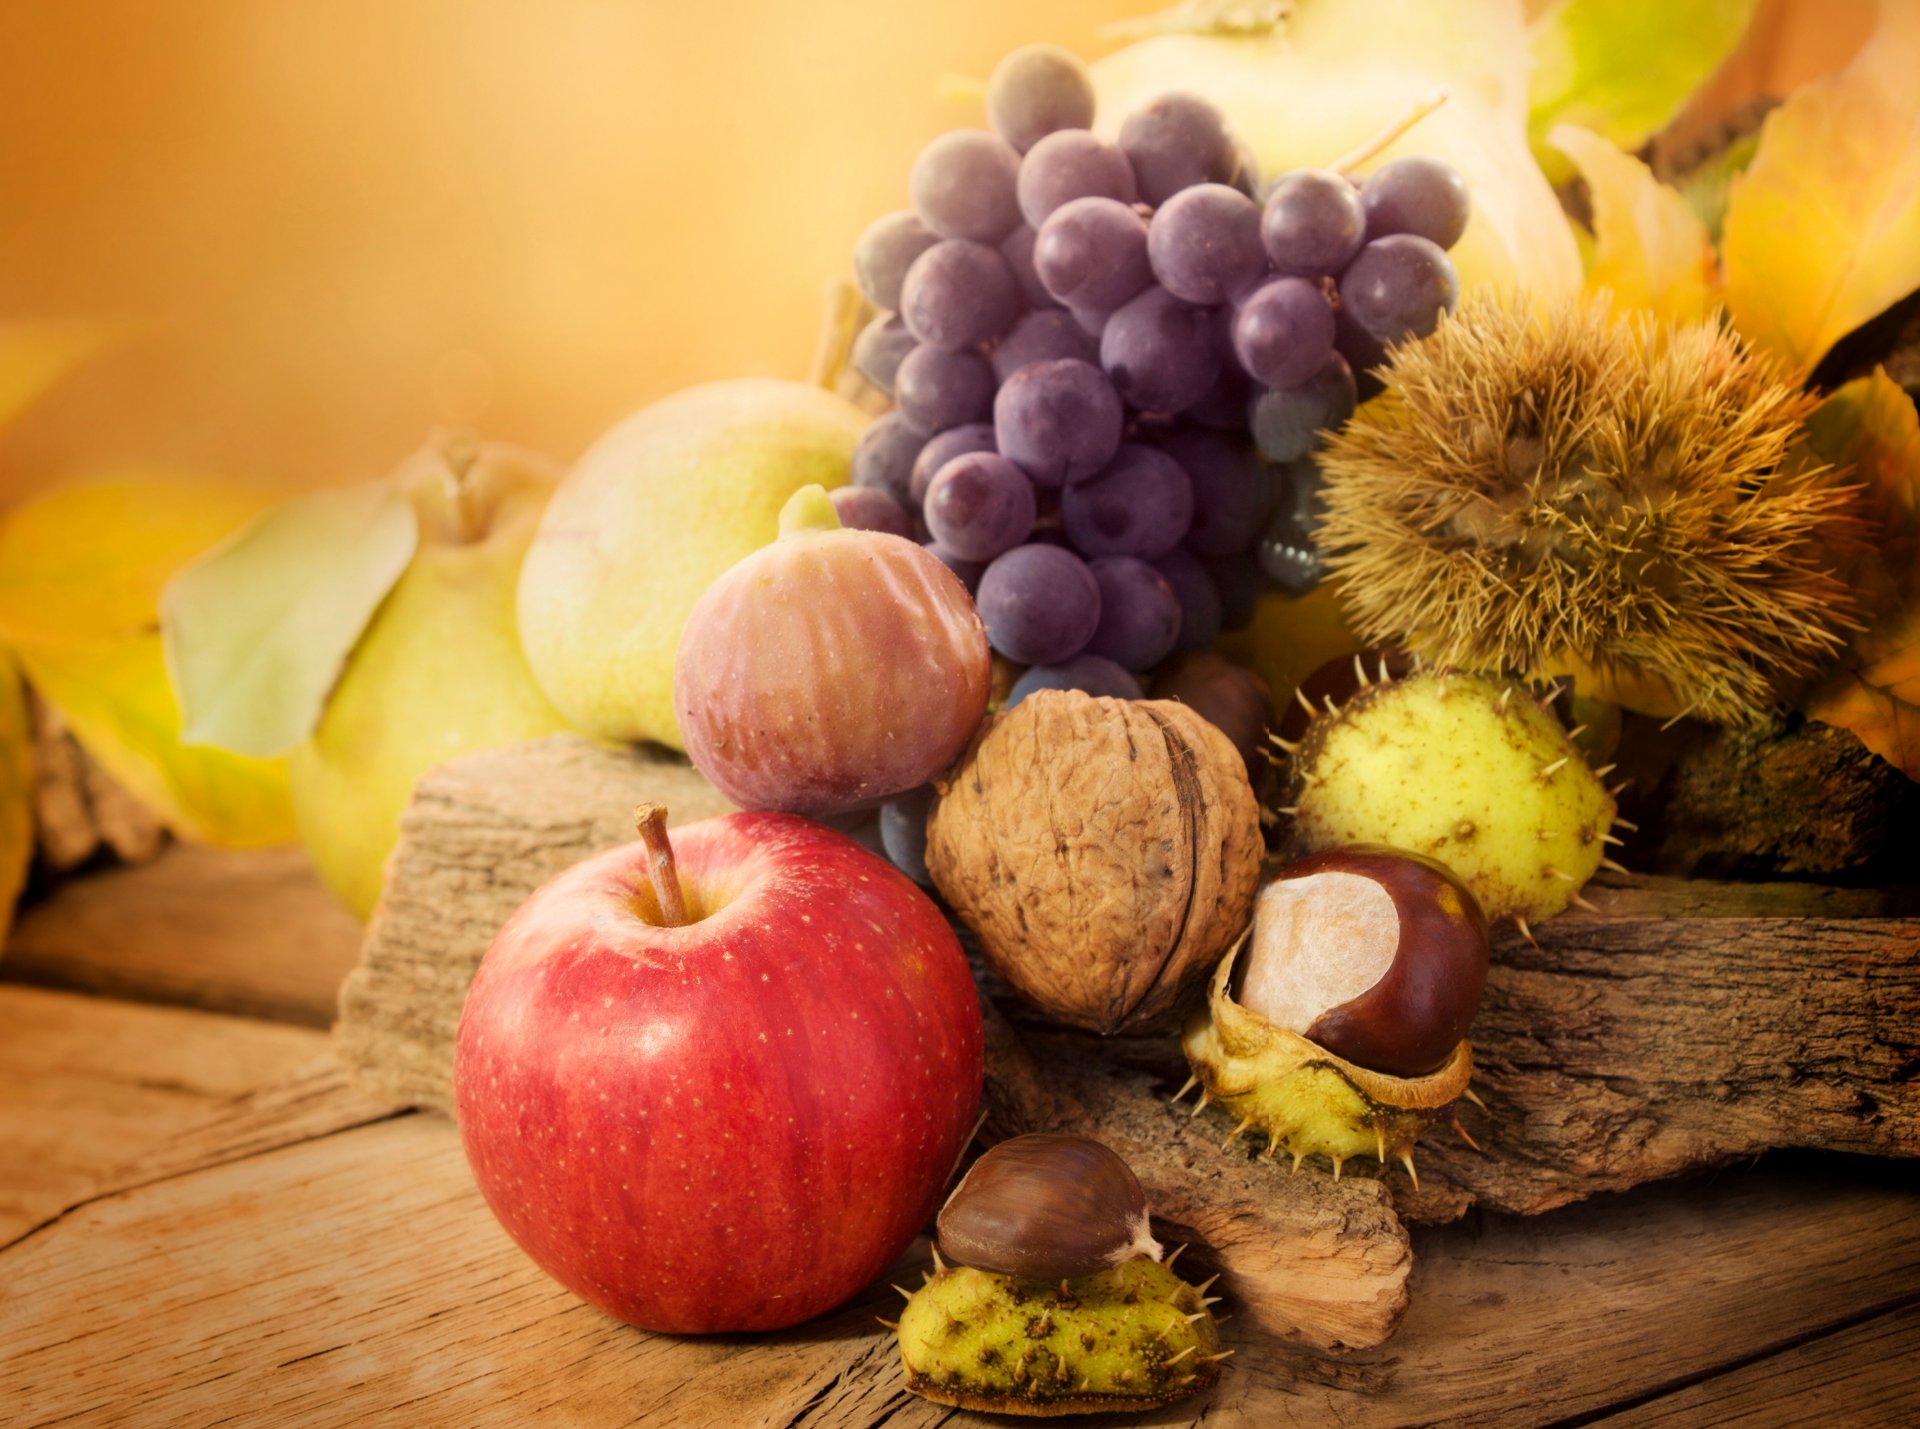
x=651 y=821
x=808 y=510
x=1420 y=109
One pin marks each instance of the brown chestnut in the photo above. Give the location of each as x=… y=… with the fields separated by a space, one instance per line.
x=1048 y=1206
x=1231 y=697
x=1376 y=954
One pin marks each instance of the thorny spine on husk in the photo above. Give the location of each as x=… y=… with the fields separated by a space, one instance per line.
x=1630 y=494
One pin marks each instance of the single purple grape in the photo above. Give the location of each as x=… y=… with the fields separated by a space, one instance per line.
x=1036 y=90
x=1067 y=165
x=1175 y=142
x=880 y=348
x=979 y=505
x=1287 y=422
x=1283 y=332
x=1204 y=244
x=1092 y=254
x=963 y=186
x=1231 y=492
x=1313 y=223
x=1043 y=335
x=882 y=255
x=903 y=832
x=1139 y=504
x=1160 y=352
x=959 y=294
x=1199 y=599
x=1139 y=613
x=1418 y=195
x=936 y=389
x=884 y=455
x=1091 y=674
x=1059 y=420
x=941 y=448
x=1040 y=604
x=1400 y=287
x=1017 y=249
x=870 y=508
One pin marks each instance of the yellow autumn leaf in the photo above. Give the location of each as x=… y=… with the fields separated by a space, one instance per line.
x=81 y=569
x=1650 y=249
x=36 y=355
x=1870 y=426
x=1823 y=229
x=16 y=793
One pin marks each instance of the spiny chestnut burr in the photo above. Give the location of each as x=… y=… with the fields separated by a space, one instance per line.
x=1049 y=1207
x=1379 y=956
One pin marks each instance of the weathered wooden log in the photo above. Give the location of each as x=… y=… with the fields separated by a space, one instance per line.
x=1688 y=1023
x=1320 y=1263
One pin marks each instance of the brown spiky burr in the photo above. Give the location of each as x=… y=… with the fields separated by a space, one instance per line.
x=1627 y=494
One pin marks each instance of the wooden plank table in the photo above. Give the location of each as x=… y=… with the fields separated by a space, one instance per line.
x=202 y=1220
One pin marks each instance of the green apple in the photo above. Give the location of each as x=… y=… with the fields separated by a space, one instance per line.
x=438 y=671
x=653 y=513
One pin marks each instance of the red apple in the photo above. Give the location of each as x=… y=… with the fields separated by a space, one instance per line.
x=735 y=1123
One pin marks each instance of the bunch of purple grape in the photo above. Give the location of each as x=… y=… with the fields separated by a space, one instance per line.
x=1090 y=347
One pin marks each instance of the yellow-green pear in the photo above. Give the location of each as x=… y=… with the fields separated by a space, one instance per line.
x=653 y=513
x=438 y=671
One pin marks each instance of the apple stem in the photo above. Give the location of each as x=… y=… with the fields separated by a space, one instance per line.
x=651 y=820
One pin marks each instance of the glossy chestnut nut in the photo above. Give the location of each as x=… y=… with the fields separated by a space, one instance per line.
x=1047 y=1206
x=1231 y=697
x=1376 y=954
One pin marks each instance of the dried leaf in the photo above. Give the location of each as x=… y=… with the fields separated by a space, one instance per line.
x=16 y=793
x=1870 y=425
x=1623 y=68
x=116 y=700
x=1650 y=248
x=81 y=569
x=86 y=562
x=258 y=630
x=1823 y=229
x=36 y=355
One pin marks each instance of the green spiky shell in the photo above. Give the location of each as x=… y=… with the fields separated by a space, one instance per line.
x=1463 y=769
x=1306 y=1100
x=1134 y=1337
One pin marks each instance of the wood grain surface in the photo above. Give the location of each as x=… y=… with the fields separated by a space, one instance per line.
x=353 y=1274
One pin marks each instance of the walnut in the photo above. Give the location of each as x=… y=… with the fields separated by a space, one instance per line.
x=1105 y=851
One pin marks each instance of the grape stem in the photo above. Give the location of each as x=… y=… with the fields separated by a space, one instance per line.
x=1421 y=108
x=651 y=821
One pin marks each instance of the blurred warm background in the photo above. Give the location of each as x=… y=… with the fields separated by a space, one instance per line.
x=341 y=224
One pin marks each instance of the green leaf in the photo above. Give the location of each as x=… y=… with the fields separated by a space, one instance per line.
x=258 y=630
x=16 y=793
x=1623 y=68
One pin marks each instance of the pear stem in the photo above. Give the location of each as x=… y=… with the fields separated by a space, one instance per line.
x=809 y=509
x=651 y=821
x=1422 y=107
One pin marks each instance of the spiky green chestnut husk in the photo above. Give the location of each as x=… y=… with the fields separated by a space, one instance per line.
x=1134 y=1337
x=1463 y=769
x=1303 y=1098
